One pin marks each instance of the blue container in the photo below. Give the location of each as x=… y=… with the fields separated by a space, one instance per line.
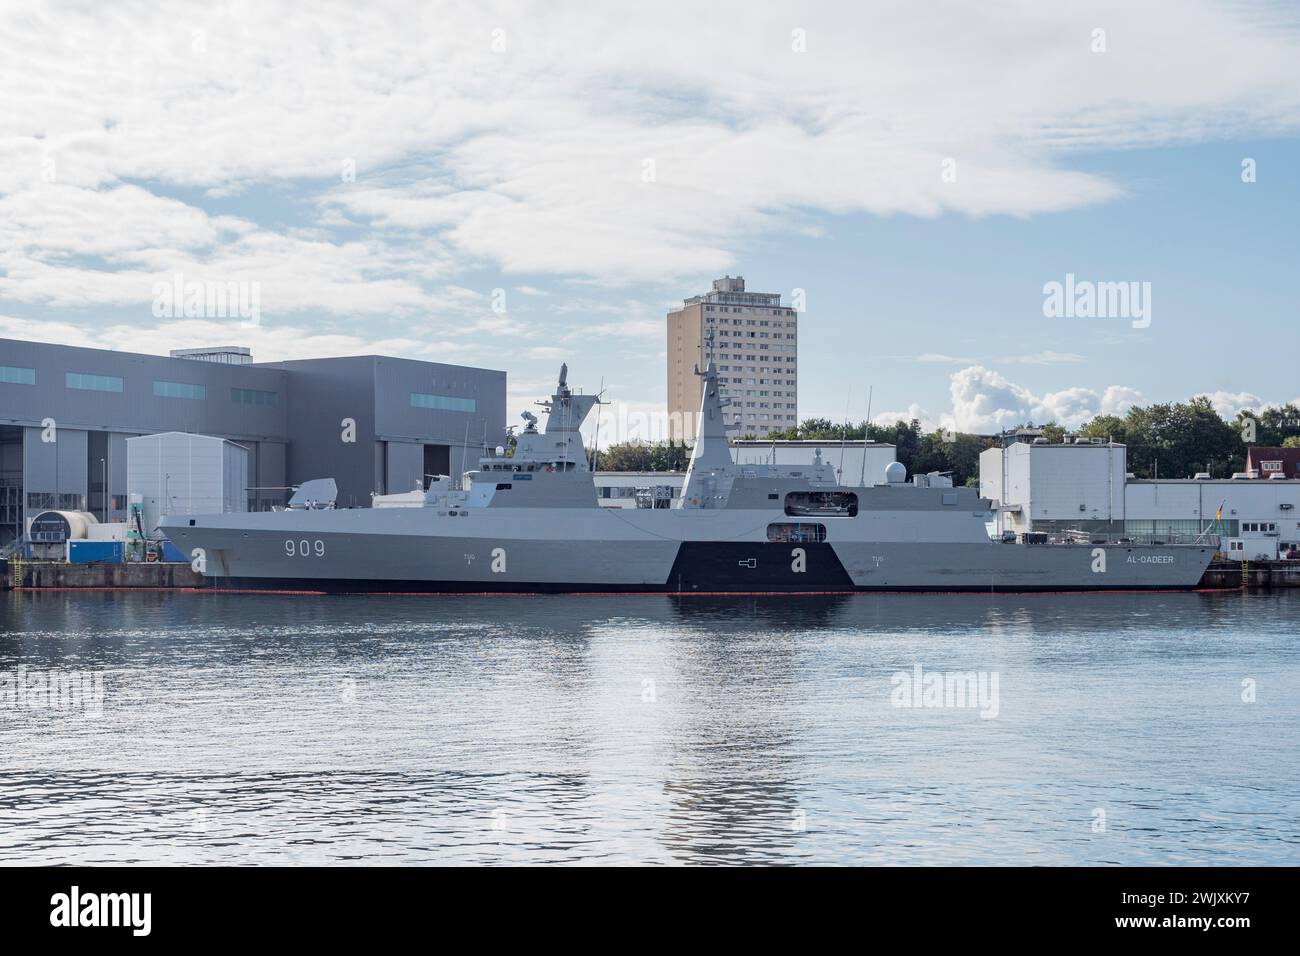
x=173 y=553
x=95 y=552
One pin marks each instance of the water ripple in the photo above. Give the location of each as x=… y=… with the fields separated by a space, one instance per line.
x=654 y=730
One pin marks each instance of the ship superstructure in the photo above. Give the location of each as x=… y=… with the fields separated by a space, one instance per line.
x=530 y=522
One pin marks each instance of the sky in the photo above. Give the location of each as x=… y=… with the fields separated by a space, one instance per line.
x=513 y=185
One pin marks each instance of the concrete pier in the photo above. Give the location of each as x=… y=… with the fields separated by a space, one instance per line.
x=1252 y=574
x=53 y=574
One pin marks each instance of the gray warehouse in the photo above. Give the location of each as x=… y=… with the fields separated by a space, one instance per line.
x=375 y=424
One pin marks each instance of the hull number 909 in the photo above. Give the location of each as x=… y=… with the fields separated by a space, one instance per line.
x=302 y=548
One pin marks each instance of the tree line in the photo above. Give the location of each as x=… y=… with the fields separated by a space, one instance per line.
x=1169 y=440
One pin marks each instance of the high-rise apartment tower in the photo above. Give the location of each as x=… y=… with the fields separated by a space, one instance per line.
x=754 y=340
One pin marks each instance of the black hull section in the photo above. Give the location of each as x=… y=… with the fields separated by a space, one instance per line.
x=747 y=567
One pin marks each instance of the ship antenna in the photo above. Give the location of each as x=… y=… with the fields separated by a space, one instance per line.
x=862 y=476
x=595 y=445
x=568 y=417
x=844 y=435
x=464 y=453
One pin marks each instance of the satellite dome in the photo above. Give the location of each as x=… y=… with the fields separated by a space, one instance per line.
x=896 y=473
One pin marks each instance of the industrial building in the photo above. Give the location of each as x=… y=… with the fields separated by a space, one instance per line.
x=374 y=423
x=180 y=473
x=1083 y=485
x=1077 y=485
x=754 y=340
x=1266 y=462
x=412 y=420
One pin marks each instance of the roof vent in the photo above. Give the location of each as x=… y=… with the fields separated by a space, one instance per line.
x=221 y=354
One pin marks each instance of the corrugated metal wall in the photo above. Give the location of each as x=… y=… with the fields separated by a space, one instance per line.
x=55 y=467
x=180 y=474
x=298 y=437
x=234 y=483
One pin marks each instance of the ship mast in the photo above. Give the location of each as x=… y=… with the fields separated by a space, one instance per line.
x=712 y=451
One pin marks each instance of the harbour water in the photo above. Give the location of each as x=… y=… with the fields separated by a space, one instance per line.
x=261 y=729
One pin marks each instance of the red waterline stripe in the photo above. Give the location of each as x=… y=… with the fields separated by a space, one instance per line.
x=516 y=594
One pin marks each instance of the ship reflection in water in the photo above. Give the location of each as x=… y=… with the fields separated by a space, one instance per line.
x=1142 y=728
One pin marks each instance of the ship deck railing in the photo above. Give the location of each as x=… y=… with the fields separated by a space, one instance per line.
x=1081 y=538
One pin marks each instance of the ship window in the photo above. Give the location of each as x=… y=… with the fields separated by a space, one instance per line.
x=821 y=504
x=796 y=532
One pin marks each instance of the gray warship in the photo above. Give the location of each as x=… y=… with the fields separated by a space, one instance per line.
x=530 y=523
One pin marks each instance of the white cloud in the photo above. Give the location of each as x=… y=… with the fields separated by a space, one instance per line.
x=596 y=142
x=128 y=136
x=1036 y=358
x=1045 y=358
x=984 y=401
x=627 y=328
x=1118 y=399
x=268 y=344
x=1228 y=404
x=68 y=246
x=548 y=352
x=928 y=421
x=940 y=358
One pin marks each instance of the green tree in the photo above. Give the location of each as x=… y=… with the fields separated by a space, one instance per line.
x=1174 y=440
x=644 y=456
x=1054 y=433
x=1271 y=426
x=1107 y=428
x=627 y=456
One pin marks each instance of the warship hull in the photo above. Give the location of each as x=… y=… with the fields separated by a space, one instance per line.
x=659 y=551
x=530 y=523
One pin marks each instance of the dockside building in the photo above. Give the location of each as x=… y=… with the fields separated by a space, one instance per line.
x=374 y=423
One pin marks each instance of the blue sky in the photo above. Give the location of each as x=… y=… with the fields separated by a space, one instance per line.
x=1220 y=255
x=513 y=185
